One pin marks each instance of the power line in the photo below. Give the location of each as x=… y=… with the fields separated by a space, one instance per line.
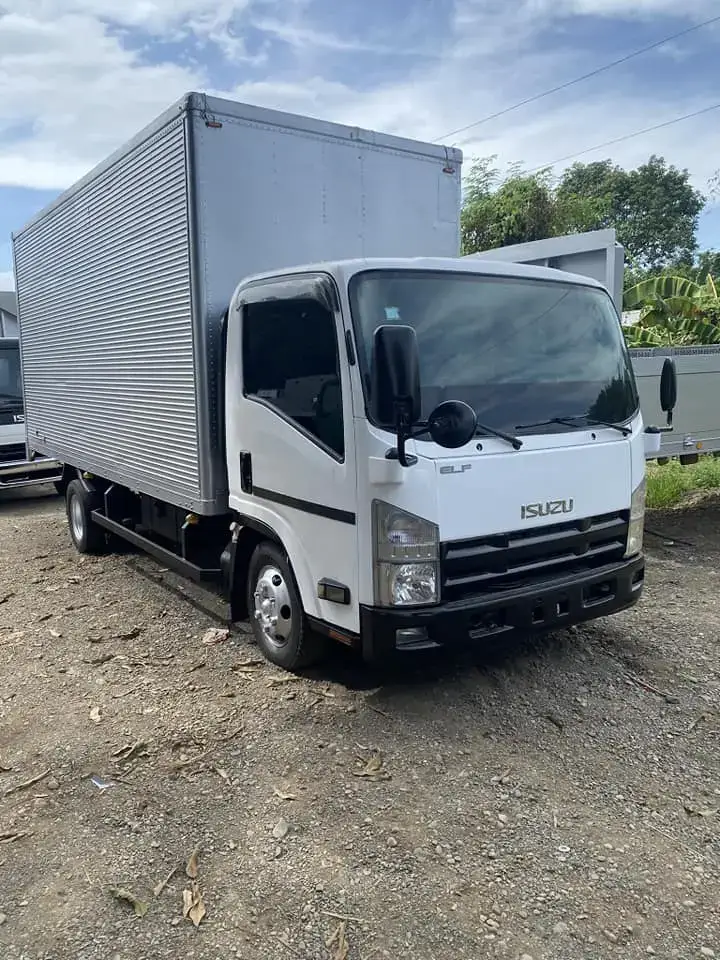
x=585 y=76
x=627 y=136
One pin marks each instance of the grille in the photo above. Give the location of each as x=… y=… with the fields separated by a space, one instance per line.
x=12 y=453
x=526 y=557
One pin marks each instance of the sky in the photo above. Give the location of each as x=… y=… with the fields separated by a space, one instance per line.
x=79 y=77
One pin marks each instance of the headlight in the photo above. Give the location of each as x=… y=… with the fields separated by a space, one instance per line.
x=406 y=558
x=637 y=522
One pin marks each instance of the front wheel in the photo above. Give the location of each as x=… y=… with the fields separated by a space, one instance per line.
x=86 y=535
x=278 y=620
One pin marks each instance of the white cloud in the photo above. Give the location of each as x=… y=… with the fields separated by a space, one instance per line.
x=71 y=91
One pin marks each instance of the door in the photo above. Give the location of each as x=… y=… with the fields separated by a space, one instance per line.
x=291 y=454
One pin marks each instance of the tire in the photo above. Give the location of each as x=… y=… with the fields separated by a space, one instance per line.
x=272 y=595
x=86 y=536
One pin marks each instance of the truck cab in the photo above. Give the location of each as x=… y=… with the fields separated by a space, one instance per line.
x=448 y=450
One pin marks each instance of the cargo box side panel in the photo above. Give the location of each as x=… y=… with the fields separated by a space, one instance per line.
x=271 y=197
x=106 y=325
x=696 y=419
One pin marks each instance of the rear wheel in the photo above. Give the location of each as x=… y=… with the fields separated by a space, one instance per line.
x=278 y=620
x=86 y=535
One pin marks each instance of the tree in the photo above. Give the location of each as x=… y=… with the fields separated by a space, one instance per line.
x=654 y=208
x=517 y=208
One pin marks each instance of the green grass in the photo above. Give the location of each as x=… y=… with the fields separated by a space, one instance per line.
x=667 y=485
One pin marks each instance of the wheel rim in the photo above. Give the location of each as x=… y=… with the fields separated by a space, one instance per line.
x=273 y=606
x=77 y=519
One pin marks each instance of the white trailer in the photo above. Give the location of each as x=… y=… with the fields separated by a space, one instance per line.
x=696 y=420
x=392 y=446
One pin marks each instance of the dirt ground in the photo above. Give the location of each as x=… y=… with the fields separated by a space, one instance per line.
x=556 y=800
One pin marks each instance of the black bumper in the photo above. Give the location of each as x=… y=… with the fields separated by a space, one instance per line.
x=550 y=606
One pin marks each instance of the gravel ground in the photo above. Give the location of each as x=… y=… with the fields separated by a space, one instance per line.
x=556 y=800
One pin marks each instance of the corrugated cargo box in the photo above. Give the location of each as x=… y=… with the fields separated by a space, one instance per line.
x=123 y=281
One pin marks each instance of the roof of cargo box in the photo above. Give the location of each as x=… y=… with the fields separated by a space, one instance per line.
x=343 y=270
x=214 y=109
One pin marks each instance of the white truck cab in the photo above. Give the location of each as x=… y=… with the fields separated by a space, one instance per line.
x=351 y=402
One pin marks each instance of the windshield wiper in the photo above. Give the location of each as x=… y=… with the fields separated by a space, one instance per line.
x=482 y=428
x=574 y=422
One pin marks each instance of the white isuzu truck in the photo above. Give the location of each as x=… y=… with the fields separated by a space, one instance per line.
x=391 y=447
x=15 y=468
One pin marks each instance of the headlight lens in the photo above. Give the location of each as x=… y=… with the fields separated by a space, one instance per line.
x=406 y=558
x=637 y=522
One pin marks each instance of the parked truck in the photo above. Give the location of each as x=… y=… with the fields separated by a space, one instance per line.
x=16 y=470
x=696 y=422
x=391 y=447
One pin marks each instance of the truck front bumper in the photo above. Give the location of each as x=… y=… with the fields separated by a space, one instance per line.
x=25 y=473
x=555 y=605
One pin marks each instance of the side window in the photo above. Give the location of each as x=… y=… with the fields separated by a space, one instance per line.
x=290 y=361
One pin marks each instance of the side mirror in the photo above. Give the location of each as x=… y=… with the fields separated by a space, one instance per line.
x=452 y=424
x=668 y=388
x=395 y=386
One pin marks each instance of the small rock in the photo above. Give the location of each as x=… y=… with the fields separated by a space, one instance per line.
x=3 y=919
x=612 y=937
x=707 y=952
x=650 y=951
x=391 y=842
x=232 y=845
x=52 y=784
x=526 y=956
x=560 y=928
x=281 y=829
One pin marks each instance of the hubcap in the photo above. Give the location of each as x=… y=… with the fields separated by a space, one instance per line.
x=273 y=607
x=77 y=519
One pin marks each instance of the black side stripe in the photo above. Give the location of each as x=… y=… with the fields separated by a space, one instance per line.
x=316 y=509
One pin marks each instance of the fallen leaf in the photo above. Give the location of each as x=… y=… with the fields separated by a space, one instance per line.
x=700 y=811
x=248 y=665
x=338 y=943
x=10 y=836
x=192 y=869
x=281 y=795
x=215 y=635
x=281 y=829
x=193 y=905
x=125 y=896
x=159 y=887
x=128 y=752
x=27 y=783
x=374 y=768
x=279 y=681
x=95 y=715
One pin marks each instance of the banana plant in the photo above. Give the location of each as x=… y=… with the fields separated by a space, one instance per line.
x=674 y=311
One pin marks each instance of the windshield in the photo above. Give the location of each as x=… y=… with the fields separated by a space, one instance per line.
x=10 y=383
x=518 y=351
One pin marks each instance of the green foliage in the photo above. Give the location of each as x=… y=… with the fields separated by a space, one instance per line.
x=668 y=484
x=519 y=207
x=654 y=208
x=673 y=311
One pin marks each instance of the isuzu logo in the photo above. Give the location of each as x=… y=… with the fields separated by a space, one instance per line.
x=546 y=509
x=18 y=418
